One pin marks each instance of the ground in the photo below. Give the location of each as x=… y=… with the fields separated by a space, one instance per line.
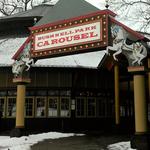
x=86 y=142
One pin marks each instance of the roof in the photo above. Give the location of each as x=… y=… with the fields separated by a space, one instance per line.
x=8 y=46
x=85 y=60
x=21 y=48
x=37 y=11
x=65 y=9
x=61 y=21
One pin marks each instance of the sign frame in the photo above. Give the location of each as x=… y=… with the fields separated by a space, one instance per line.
x=101 y=43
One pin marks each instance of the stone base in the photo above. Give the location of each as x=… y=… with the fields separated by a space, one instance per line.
x=18 y=132
x=141 y=142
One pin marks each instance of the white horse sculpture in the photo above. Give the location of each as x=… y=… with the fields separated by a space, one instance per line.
x=135 y=51
x=28 y=62
x=19 y=65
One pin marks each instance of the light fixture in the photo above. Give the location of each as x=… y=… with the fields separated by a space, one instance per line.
x=35 y=20
x=107 y=5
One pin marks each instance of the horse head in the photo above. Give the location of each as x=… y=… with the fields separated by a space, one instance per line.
x=118 y=32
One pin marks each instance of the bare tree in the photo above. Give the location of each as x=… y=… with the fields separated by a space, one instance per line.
x=136 y=13
x=9 y=7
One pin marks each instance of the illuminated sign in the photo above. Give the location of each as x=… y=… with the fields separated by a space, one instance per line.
x=71 y=36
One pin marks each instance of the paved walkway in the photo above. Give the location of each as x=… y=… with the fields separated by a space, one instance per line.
x=87 y=142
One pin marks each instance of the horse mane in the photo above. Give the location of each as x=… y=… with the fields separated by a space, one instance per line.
x=128 y=41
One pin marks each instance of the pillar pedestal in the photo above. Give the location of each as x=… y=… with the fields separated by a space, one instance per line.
x=140 y=140
x=20 y=106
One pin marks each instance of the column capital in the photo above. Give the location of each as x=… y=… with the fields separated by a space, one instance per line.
x=22 y=80
x=137 y=69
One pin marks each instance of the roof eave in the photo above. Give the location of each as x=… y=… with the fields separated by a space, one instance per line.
x=21 y=48
x=136 y=34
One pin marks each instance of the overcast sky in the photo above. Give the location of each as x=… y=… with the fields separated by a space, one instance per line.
x=134 y=20
x=98 y=3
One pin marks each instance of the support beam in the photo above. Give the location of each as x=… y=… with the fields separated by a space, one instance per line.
x=140 y=104
x=117 y=102
x=20 y=105
x=141 y=138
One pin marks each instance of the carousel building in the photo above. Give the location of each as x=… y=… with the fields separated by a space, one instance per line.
x=56 y=74
x=63 y=91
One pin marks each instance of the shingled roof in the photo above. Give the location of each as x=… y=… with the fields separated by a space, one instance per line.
x=38 y=11
x=65 y=9
x=24 y=19
x=26 y=16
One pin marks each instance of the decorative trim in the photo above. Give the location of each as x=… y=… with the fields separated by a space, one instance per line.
x=136 y=69
x=21 y=80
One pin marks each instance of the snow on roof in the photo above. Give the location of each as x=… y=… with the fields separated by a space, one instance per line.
x=84 y=60
x=9 y=46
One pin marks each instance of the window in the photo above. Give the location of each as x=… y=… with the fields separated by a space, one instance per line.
x=80 y=106
x=11 y=106
x=40 y=106
x=29 y=103
x=2 y=106
x=52 y=107
x=91 y=107
x=64 y=107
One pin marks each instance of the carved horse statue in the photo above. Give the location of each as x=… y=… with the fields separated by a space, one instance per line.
x=135 y=51
x=19 y=65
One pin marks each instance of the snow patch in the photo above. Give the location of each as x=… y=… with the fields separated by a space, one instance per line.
x=120 y=146
x=25 y=142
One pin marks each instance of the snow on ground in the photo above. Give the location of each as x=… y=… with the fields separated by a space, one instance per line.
x=120 y=146
x=25 y=142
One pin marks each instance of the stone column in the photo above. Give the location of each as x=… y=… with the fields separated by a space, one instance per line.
x=140 y=104
x=20 y=103
x=20 y=106
x=117 y=102
x=140 y=140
